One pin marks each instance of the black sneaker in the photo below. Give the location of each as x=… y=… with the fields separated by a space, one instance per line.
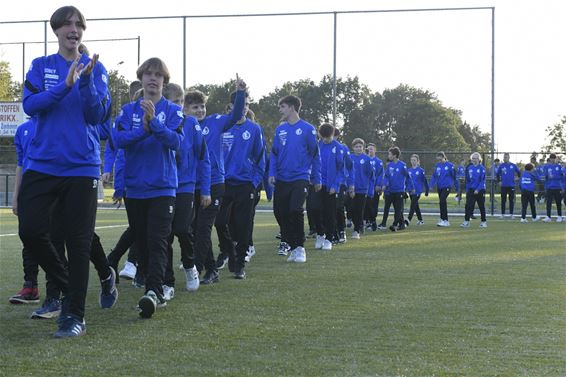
x=283 y=249
x=210 y=277
x=149 y=303
x=406 y=223
x=374 y=226
x=278 y=236
x=342 y=237
x=240 y=274
x=222 y=261
x=392 y=228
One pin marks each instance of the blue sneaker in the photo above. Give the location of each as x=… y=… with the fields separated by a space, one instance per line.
x=51 y=308
x=109 y=293
x=70 y=327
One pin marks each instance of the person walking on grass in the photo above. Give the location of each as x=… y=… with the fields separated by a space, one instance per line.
x=475 y=191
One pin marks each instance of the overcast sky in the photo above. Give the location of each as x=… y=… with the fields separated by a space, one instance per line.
x=448 y=53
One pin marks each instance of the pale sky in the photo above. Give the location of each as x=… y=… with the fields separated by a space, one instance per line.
x=448 y=53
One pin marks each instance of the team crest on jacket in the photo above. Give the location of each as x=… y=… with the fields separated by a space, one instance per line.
x=362 y=161
x=246 y=135
x=179 y=113
x=299 y=131
x=205 y=131
x=197 y=127
x=161 y=117
x=334 y=150
x=446 y=168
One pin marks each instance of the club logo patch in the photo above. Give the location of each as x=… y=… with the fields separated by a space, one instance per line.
x=299 y=131
x=205 y=131
x=161 y=117
x=246 y=135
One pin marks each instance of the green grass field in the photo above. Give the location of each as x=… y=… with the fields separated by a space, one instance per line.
x=425 y=302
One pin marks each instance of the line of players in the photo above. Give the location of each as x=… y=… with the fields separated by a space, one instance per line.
x=182 y=172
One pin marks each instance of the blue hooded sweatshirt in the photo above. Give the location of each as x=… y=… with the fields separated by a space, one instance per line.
x=363 y=172
x=553 y=175
x=294 y=154
x=213 y=126
x=444 y=176
x=506 y=173
x=397 y=178
x=419 y=180
x=67 y=141
x=475 y=180
x=243 y=153
x=331 y=163
x=151 y=168
x=192 y=159
x=22 y=139
x=528 y=180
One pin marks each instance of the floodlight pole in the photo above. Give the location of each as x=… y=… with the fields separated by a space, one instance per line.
x=45 y=38
x=23 y=64
x=492 y=108
x=334 y=72
x=139 y=45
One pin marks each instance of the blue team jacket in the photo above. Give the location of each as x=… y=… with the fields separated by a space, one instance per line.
x=67 y=141
x=331 y=163
x=475 y=180
x=419 y=180
x=192 y=159
x=506 y=173
x=22 y=139
x=294 y=154
x=213 y=126
x=150 y=170
x=243 y=153
x=444 y=176
x=553 y=176
x=397 y=178
x=363 y=172
x=528 y=180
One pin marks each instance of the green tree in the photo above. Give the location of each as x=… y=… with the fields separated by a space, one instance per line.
x=119 y=91
x=9 y=90
x=477 y=140
x=555 y=138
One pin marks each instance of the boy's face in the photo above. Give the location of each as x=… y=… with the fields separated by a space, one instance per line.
x=152 y=81
x=70 y=33
x=505 y=158
x=475 y=160
x=414 y=161
x=197 y=110
x=440 y=158
x=178 y=100
x=286 y=111
x=371 y=150
x=390 y=156
x=358 y=148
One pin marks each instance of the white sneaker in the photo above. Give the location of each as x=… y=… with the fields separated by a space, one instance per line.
x=501 y=217
x=193 y=280
x=559 y=219
x=483 y=224
x=381 y=227
x=465 y=224
x=536 y=219
x=420 y=222
x=168 y=292
x=300 y=255
x=546 y=219
x=249 y=254
x=563 y=218
x=440 y=223
x=524 y=220
x=355 y=235
x=292 y=255
x=129 y=271
x=443 y=223
x=446 y=223
x=327 y=245
x=319 y=242
x=181 y=267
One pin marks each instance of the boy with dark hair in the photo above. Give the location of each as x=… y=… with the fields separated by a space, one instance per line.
x=374 y=189
x=213 y=126
x=527 y=185
x=331 y=162
x=150 y=131
x=243 y=154
x=553 y=188
x=506 y=175
x=69 y=92
x=192 y=164
x=443 y=177
x=295 y=159
x=396 y=183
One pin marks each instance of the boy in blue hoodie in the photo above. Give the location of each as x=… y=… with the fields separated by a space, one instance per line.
x=553 y=188
x=150 y=130
x=331 y=163
x=475 y=191
x=243 y=154
x=506 y=175
x=529 y=178
x=418 y=176
x=192 y=164
x=396 y=183
x=363 y=175
x=68 y=94
x=294 y=160
x=443 y=177
x=374 y=189
x=213 y=126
